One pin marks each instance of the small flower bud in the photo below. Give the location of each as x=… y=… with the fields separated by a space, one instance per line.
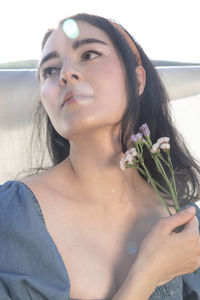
x=165 y=146
x=136 y=137
x=129 y=158
x=155 y=148
x=145 y=129
x=122 y=164
x=133 y=151
x=163 y=140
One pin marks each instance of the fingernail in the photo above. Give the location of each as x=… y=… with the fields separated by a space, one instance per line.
x=191 y=209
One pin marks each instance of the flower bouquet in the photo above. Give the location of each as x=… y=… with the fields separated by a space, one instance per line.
x=133 y=158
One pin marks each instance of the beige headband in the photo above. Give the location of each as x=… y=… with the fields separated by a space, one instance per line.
x=129 y=41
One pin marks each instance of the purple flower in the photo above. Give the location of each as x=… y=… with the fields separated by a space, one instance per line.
x=136 y=137
x=145 y=129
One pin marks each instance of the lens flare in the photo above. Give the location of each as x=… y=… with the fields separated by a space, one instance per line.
x=70 y=28
x=131 y=248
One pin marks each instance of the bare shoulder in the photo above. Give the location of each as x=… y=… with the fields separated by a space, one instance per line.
x=49 y=185
x=38 y=184
x=36 y=180
x=42 y=184
x=46 y=179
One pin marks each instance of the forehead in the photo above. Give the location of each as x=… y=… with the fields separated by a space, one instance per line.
x=59 y=40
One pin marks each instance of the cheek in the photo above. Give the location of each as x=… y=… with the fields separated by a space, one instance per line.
x=48 y=95
x=111 y=89
x=113 y=75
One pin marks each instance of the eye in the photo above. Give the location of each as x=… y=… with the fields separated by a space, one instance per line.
x=47 y=72
x=87 y=55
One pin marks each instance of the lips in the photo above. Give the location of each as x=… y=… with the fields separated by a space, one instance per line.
x=73 y=94
x=67 y=97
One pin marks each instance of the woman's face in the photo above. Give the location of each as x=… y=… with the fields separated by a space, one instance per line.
x=90 y=69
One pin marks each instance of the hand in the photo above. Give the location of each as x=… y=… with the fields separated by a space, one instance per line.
x=164 y=254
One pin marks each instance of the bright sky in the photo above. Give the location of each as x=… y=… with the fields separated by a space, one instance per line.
x=166 y=30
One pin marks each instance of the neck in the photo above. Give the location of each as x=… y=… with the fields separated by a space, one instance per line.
x=95 y=171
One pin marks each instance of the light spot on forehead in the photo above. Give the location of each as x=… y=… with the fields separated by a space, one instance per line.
x=70 y=28
x=73 y=29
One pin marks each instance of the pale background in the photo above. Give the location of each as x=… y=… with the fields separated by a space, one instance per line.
x=167 y=29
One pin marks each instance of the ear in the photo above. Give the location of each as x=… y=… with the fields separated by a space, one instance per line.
x=141 y=77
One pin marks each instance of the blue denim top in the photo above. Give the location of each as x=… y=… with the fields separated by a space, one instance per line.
x=31 y=266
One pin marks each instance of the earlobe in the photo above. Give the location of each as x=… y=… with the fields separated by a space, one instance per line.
x=141 y=76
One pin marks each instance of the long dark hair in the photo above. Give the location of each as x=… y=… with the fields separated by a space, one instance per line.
x=152 y=107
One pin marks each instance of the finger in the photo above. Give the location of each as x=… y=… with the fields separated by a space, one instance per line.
x=192 y=226
x=180 y=217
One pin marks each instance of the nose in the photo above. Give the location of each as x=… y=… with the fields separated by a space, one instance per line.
x=69 y=74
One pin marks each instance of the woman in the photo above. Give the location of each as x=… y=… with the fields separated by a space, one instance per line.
x=84 y=228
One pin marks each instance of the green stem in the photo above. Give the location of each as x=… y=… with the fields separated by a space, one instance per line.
x=162 y=158
x=137 y=149
x=154 y=186
x=142 y=171
x=169 y=165
x=158 y=185
x=172 y=172
x=162 y=171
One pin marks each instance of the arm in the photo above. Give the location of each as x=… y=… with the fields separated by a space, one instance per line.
x=136 y=286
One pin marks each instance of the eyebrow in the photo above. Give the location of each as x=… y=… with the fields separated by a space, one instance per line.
x=77 y=44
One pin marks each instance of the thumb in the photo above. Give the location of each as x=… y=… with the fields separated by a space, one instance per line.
x=181 y=217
